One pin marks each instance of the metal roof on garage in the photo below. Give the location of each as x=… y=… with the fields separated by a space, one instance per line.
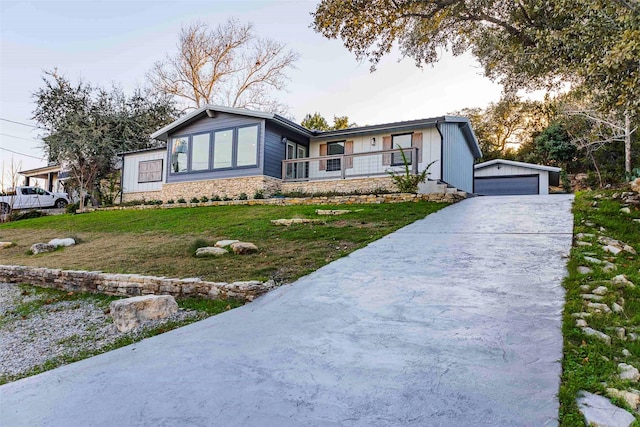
x=519 y=164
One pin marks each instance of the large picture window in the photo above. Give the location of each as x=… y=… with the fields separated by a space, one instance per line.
x=179 y=154
x=223 y=149
x=247 y=146
x=218 y=149
x=200 y=152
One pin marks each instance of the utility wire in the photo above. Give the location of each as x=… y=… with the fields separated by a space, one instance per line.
x=20 y=123
x=19 y=137
x=21 y=154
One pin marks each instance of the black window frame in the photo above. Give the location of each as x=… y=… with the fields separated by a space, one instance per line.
x=393 y=147
x=336 y=163
x=152 y=161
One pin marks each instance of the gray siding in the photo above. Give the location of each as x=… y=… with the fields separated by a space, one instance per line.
x=206 y=124
x=275 y=150
x=457 y=158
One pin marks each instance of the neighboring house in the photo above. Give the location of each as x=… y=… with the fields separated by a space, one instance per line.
x=227 y=151
x=52 y=176
x=506 y=177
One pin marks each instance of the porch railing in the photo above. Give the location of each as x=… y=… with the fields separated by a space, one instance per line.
x=341 y=166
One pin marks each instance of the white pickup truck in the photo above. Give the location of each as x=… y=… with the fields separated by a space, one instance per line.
x=31 y=198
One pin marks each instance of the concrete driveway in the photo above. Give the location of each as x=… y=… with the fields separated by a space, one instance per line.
x=453 y=320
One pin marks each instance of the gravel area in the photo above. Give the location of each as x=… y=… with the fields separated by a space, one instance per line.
x=56 y=330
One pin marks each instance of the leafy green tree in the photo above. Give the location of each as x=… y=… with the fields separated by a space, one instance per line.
x=87 y=126
x=554 y=145
x=593 y=44
x=316 y=121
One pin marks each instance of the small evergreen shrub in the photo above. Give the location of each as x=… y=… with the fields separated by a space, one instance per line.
x=170 y=202
x=216 y=198
x=72 y=208
x=182 y=200
x=195 y=200
x=258 y=194
x=204 y=199
x=226 y=198
x=243 y=196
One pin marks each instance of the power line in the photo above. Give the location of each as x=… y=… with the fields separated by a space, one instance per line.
x=21 y=154
x=20 y=123
x=19 y=137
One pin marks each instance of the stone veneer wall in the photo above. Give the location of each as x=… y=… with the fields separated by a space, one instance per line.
x=362 y=185
x=131 y=284
x=230 y=187
x=141 y=195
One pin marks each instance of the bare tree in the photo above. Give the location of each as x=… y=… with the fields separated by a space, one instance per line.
x=596 y=129
x=228 y=65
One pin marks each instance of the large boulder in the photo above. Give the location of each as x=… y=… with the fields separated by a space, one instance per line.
x=5 y=245
x=225 y=243
x=208 y=251
x=129 y=313
x=62 y=242
x=42 y=248
x=243 y=248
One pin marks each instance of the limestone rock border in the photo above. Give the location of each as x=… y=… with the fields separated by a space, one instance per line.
x=132 y=284
x=292 y=201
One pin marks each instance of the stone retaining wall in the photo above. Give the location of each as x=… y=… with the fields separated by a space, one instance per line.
x=142 y=195
x=362 y=185
x=288 y=201
x=131 y=284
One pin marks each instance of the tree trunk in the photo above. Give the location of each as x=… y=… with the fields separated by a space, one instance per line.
x=627 y=144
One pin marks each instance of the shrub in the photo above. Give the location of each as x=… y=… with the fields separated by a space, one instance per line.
x=170 y=202
x=243 y=196
x=182 y=200
x=258 y=194
x=216 y=198
x=204 y=199
x=72 y=208
x=406 y=181
x=226 y=198
x=17 y=216
x=194 y=200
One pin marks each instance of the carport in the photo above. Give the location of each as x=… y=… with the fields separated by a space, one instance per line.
x=507 y=177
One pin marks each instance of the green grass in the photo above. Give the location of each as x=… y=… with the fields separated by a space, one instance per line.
x=160 y=242
x=589 y=363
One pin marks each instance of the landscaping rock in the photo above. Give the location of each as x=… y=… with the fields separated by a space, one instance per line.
x=598 y=411
x=600 y=290
x=599 y=307
x=630 y=249
x=635 y=185
x=600 y=335
x=593 y=260
x=225 y=243
x=608 y=266
x=584 y=270
x=62 y=242
x=625 y=210
x=291 y=221
x=585 y=288
x=208 y=251
x=628 y=372
x=332 y=211
x=632 y=399
x=5 y=245
x=42 y=248
x=581 y=315
x=621 y=281
x=585 y=235
x=129 y=313
x=625 y=352
x=581 y=323
x=581 y=243
x=612 y=249
x=620 y=333
x=617 y=308
x=243 y=248
x=591 y=297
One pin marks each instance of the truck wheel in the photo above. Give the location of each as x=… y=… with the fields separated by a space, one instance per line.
x=5 y=208
x=61 y=204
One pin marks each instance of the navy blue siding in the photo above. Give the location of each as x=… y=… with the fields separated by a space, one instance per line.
x=457 y=158
x=275 y=150
x=221 y=121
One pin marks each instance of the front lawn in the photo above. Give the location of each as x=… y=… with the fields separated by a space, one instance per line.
x=161 y=242
x=590 y=363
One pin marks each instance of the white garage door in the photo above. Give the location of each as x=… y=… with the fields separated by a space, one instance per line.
x=507 y=185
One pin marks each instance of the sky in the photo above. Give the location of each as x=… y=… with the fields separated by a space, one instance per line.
x=117 y=42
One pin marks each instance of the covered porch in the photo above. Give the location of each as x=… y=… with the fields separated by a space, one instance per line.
x=50 y=178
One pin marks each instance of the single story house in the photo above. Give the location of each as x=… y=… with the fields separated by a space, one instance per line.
x=222 y=151
x=506 y=177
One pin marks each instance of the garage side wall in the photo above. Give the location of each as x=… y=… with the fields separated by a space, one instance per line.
x=457 y=158
x=136 y=181
x=508 y=170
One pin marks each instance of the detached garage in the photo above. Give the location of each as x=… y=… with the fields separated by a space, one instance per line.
x=506 y=177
